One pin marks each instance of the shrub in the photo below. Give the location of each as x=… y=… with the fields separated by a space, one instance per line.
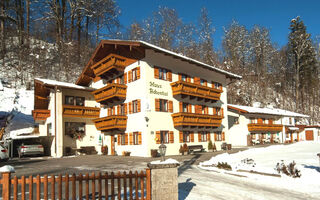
x=104 y=150
x=224 y=165
x=181 y=150
x=154 y=153
x=185 y=148
x=289 y=170
x=210 y=146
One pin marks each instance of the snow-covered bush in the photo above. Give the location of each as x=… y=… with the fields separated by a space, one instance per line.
x=224 y=165
x=289 y=170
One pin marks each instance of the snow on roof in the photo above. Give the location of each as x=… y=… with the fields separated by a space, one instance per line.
x=269 y=111
x=183 y=57
x=63 y=84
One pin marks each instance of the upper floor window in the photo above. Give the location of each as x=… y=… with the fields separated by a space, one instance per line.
x=217 y=85
x=135 y=106
x=163 y=105
x=76 y=101
x=133 y=75
x=136 y=138
x=203 y=82
x=184 y=77
x=162 y=73
x=121 y=110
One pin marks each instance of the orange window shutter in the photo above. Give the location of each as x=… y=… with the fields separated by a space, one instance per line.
x=180 y=107
x=181 y=137
x=109 y=111
x=222 y=112
x=130 y=76
x=171 y=137
x=179 y=77
x=209 y=136
x=125 y=109
x=138 y=72
x=157 y=104
x=214 y=111
x=169 y=76
x=212 y=84
x=131 y=138
x=158 y=137
x=125 y=77
x=126 y=139
x=114 y=110
x=156 y=72
x=223 y=136
x=192 y=137
x=139 y=105
x=189 y=79
x=170 y=106
x=215 y=136
x=199 y=137
x=130 y=107
x=140 y=138
x=119 y=138
x=196 y=80
x=118 y=109
x=190 y=108
x=205 y=83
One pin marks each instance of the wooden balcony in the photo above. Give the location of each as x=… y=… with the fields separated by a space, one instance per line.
x=110 y=93
x=260 y=127
x=111 y=123
x=80 y=111
x=40 y=115
x=195 y=91
x=196 y=120
x=110 y=65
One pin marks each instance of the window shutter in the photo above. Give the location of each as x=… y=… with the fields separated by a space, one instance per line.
x=171 y=137
x=158 y=137
x=212 y=84
x=157 y=104
x=196 y=108
x=118 y=109
x=125 y=77
x=126 y=139
x=214 y=111
x=130 y=107
x=223 y=138
x=180 y=106
x=205 y=83
x=170 y=106
x=138 y=72
x=125 y=109
x=192 y=137
x=208 y=136
x=140 y=138
x=139 y=105
x=189 y=108
x=196 y=80
x=114 y=110
x=189 y=79
x=109 y=111
x=181 y=137
x=156 y=72
x=169 y=75
x=131 y=138
x=119 y=138
x=221 y=112
x=180 y=77
x=207 y=110
x=199 y=137
x=130 y=76
x=215 y=136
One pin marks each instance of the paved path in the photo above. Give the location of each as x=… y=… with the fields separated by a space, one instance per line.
x=195 y=183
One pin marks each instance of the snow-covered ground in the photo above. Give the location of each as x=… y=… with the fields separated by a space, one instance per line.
x=265 y=160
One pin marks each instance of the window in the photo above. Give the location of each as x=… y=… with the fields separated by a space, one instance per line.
x=186 y=136
x=204 y=110
x=163 y=74
x=203 y=82
x=123 y=139
x=136 y=138
x=75 y=101
x=252 y=121
x=74 y=129
x=217 y=85
x=121 y=79
x=49 y=129
x=236 y=120
x=163 y=105
x=183 y=77
x=121 y=110
x=135 y=106
x=69 y=100
x=185 y=107
x=164 y=137
x=204 y=136
x=218 y=136
x=134 y=74
x=290 y=120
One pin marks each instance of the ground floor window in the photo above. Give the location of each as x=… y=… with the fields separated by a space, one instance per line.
x=135 y=138
x=218 y=136
x=164 y=137
x=75 y=129
x=49 y=129
x=203 y=137
x=186 y=136
x=123 y=139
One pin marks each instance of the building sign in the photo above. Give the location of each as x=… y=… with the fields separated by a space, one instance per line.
x=156 y=89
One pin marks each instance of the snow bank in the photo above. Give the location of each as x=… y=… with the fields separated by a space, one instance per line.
x=168 y=161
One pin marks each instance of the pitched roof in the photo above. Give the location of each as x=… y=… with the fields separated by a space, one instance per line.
x=49 y=82
x=268 y=111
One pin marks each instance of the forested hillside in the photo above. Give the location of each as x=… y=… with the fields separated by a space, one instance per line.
x=55 y=38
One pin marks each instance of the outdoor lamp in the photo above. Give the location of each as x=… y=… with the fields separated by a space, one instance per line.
x=162 y=149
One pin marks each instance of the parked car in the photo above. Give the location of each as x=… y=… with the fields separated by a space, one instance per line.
x=4 y=155
x=30 y=149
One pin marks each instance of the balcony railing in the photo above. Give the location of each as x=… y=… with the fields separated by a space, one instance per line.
x=110 y=62
x=195 y=90
x=265 y=127
x=40 y=115
x=114 y=122
x=80 y=111
x=111 y=92
x=197 y=120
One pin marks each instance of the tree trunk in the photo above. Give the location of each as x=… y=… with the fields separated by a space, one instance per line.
x=3 y=32
x=28 y=21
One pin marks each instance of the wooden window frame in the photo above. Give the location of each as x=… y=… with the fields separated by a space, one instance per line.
x=66 y=102
x=164 y=137
x=162 y=73
x=65 y=127
x=74 y=100
x=123 y=139
x=218 y=136
x=186 y=135
x=135 y=136
x=164 y=105
x=135 y=106
x=204 y=136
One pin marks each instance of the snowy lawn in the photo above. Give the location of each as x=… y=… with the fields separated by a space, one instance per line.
x=265 y=160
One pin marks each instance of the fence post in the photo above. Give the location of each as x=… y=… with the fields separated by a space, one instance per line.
x=148 y=173
x=164 y=181
x=6 y=185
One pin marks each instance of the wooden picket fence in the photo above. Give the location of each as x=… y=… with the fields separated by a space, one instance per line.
x=132 y=185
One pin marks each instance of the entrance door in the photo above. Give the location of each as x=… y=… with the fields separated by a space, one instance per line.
x=309 y=135
x=112 y=145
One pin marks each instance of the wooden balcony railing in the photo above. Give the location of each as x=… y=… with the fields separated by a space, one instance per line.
x=40 y=115
x=80 y=111
x=112 y=122
x=265 y=127
x=195 y=90
x=110 y=93
x=110 y=62
x=192 y=119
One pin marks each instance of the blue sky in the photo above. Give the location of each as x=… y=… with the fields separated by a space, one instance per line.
x=273 y=14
